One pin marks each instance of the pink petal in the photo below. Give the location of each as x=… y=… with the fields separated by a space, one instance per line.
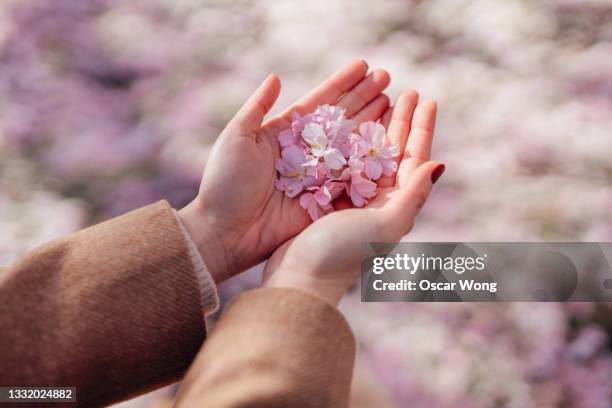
x=391 y=151
x=305 y=200
x=335 y=188
x=315 y=212
x=361 y=189
x=366 y=188
x=281 y=183
x=360 y=148
x=309 y=202
x=378 y=135
x=334 y=159
x=355 y=138
x=373 y=168
x=323 y=196
x=287 y=138
x=347 y=126
x=314 y=134
x=356 y=164
x=311 y=162
x=342 y=143
x=311 y=181
x=365 y=129
x=294 y=155
x=329 y=112
x=294 y=187
x=356 y=198
x=373 y=132
x=389 y=166
x=283 y=167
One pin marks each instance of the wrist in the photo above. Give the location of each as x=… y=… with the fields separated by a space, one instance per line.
x=208 y=240
x=329 y=290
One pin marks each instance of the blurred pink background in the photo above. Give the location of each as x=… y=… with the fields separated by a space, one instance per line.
x=109 y=105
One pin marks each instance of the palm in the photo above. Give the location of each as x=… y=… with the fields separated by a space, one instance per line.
x=243 y=190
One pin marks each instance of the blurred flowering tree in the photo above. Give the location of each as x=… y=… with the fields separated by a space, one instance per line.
x=107 y=105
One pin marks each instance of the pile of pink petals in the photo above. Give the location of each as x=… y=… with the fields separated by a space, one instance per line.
x=322 y=158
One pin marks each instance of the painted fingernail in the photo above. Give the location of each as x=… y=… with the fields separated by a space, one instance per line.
x=438 y=171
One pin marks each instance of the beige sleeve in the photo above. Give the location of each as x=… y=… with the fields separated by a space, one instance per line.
x=115 y=310
x=273 y=348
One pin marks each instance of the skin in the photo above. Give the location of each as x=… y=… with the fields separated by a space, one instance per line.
x=239 y=219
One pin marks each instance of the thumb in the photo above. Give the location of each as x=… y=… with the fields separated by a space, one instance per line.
x=250 y=116
x=412 y=196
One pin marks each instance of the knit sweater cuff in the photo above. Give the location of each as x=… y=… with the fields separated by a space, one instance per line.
x=208 y=289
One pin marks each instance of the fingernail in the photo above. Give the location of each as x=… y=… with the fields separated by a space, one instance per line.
x=437 y=172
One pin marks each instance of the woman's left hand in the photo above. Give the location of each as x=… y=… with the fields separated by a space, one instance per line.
x=325 y=258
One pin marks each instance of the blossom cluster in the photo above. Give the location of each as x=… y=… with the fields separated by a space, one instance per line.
x=322 y=158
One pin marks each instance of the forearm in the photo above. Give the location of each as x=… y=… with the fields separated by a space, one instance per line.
x=274 y=347
x=115 y=310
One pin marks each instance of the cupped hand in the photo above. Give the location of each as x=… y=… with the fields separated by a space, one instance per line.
x=325 y=258
x=238 y=217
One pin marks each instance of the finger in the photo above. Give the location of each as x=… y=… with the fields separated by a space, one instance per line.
x=331 y=89
x=403 y=208
x=420 y=139
x=250 y=116
x=364 y=92
x=373 y=110
x=386 y=118
x=422 y=131
x=399 y=121
x=401 y=118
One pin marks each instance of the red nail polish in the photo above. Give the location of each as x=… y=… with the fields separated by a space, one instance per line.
x=438 y=171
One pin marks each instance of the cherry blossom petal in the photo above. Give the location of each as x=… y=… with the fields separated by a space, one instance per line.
x=373 y=132
x=294 y=187
x=287 y=138
x=366 y=188
x=356 y=164
x=310 y=204
x=323 y=196
x=389 y=166
x=311 y=161
x=334 y=159
x=373 y=168
x=314 y=135
x=283 y=167
x=391 y=151
x=294 y=155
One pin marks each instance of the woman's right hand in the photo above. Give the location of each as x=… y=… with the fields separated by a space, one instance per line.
x=239 y=218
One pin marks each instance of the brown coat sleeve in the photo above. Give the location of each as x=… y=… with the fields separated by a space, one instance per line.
x=273 y=348
x=114 y=310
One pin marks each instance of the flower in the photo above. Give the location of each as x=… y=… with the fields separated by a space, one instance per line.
x=323 y=159
x=295 y=176
x=321 y=147
x=359 y=188
x=370 y=145
x=318 y=201
x=337 y=127
x=291 y=136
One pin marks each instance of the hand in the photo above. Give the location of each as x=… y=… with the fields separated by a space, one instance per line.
x=238 y=217
x=325 y=258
